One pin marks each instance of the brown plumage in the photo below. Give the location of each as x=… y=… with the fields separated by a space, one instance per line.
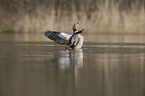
x=75 y=29
x=75 y=26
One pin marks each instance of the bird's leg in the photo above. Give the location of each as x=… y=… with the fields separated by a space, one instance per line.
x=66 y=43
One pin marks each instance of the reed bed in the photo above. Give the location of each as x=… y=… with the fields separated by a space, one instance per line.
x=99 y=19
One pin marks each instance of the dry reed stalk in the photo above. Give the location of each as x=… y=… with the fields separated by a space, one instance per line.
x=103 y=21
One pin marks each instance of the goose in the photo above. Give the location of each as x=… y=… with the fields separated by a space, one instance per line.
x=70 y=41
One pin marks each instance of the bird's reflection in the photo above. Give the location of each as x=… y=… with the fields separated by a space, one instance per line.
x=68 y=57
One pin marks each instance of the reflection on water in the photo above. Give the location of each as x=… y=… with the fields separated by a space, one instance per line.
x=68 y=57
x=40 y=69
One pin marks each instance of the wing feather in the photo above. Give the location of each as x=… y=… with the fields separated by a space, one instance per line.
x=57 y=37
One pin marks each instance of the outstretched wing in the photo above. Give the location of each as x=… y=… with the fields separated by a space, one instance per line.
x=57 y=37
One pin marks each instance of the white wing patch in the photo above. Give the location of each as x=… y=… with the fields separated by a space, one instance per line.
x=64 y=35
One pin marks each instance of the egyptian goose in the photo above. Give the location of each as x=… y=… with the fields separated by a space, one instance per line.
x=71 y=41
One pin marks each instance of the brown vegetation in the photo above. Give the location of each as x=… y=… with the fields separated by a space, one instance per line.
x=96 y=16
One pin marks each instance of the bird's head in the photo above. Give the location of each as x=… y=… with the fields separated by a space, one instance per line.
x=75 y=26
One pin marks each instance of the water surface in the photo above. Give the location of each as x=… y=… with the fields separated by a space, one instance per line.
x=47 y=69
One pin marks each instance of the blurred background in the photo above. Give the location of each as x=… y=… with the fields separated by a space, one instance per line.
x=111 y=62
x=105 y=17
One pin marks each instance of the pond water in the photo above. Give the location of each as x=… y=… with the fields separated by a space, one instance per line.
x=42 y=68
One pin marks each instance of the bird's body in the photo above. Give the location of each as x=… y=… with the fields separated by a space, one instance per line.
x=71 y=41
x=80 y=44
